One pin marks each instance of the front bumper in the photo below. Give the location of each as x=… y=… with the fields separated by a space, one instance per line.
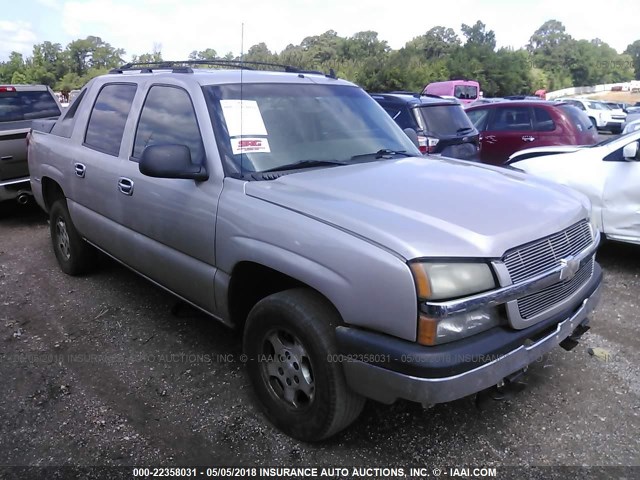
x=386 y=369
x=614 y=125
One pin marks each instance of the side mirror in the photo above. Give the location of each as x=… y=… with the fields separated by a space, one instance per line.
x=170 y=161
x=630 y=151
x=413 y=136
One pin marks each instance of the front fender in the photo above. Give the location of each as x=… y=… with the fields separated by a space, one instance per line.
x=370 y=287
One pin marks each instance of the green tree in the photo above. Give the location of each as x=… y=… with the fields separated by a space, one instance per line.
x=15 y=64
x=633 y=50
x=438 y=42
x=207 y=54
x=18 y=78
x=259 y=53
x=92 y=52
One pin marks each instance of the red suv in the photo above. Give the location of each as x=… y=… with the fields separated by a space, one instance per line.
x=509 y=126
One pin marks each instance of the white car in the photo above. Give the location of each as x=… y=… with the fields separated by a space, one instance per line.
x=602 y=117
x=608 y=173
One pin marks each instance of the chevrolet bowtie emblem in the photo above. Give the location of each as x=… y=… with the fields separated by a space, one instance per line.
x=570 y=267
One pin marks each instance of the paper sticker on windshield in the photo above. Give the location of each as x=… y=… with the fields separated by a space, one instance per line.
x=249 y=145
x=243 y=117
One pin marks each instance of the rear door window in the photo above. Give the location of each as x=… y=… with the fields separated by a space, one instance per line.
x=109 y=116
x=64 y=126
x=479 y=118
x=168 y=118
x=544 y=121
x=16 y=106
x=511 y=119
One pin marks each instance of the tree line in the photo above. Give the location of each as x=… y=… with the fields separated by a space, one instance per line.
x=551 y=60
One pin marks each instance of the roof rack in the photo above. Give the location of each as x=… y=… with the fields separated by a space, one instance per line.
x=413 y=94
x=183 y=66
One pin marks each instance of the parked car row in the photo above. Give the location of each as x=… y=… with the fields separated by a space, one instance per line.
x=530 y=134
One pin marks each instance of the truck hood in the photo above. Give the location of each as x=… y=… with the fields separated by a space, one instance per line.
x=420 y=207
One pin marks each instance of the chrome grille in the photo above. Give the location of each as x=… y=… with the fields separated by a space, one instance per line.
x=538 y=257
x=538 y=302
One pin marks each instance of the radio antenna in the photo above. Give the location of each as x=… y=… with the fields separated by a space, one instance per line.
x=241 y=101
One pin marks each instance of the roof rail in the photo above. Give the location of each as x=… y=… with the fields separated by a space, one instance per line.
x=183 y=66
x=413 y=94
x=404 y=92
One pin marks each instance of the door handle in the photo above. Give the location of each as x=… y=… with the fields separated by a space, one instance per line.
x=125 y=185
x=6 y=158
x=528 y=138
x=80 y=169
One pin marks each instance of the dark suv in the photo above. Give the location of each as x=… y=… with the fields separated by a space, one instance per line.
x=441 y=124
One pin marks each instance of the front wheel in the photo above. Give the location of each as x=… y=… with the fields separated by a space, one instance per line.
x=74 y=255
x=289 y=339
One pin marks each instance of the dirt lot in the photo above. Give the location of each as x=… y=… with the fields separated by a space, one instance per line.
x=626 y=97
x=97 y=370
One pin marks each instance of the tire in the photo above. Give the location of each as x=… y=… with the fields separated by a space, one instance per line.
x=595 y=124
x=74 y=255
x=289 y=337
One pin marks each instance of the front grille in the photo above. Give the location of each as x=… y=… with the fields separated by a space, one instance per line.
x=538 y=257
x=538 y=302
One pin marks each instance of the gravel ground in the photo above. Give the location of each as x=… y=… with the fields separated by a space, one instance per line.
x=97 y=370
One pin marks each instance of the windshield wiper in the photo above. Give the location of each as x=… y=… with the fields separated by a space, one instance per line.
x=304 y=164
x=382 y=153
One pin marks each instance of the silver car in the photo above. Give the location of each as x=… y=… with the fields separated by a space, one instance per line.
x=289 y=204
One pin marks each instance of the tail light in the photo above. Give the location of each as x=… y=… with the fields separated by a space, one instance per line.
x=427 y=144
x=7 y=88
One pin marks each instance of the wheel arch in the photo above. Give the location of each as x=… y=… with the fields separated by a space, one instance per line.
x=251 y=281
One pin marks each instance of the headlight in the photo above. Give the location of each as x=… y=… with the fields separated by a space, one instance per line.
x=433 y=331
x=444 y=281
x=632 y=127
x=438 y=281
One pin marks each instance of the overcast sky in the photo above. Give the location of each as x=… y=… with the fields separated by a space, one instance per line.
x=181 y=26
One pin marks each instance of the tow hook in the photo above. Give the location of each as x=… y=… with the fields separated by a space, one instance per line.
x=571 y=341
x=504 y=390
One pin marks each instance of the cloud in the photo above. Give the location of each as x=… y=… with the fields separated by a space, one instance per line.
x=16 y=36
x=181 y=27
x=54 y=4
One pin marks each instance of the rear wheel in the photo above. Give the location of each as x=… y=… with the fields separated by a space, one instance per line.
x=289 y=339
x=74 y=255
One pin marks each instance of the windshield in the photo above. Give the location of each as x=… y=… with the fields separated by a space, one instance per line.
x=598 y=106
x=444 y=120
x=268 y=126
x=16 y=106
